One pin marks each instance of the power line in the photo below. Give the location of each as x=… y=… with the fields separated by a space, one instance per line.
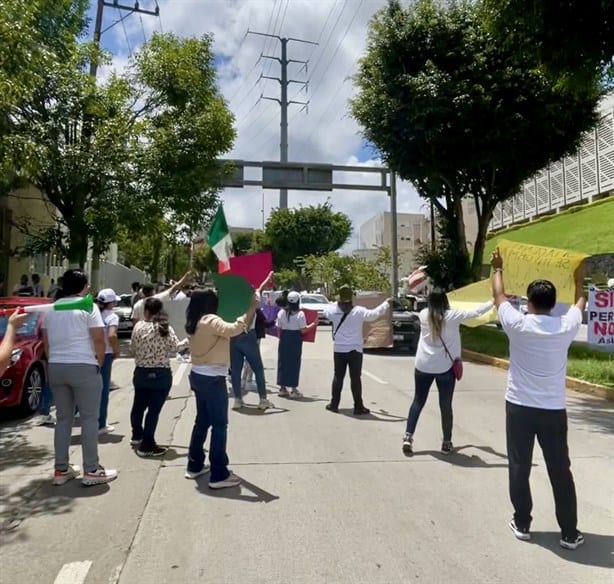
x=143 y=29
x=125 y=32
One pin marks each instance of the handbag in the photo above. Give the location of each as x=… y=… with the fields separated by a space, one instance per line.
x=457 y=364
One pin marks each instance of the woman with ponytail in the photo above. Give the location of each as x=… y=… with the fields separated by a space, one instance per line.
x=152 y=341
x=438 y=349
x=292 y=325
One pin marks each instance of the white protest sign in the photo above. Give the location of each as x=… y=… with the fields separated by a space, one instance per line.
x=601 y=317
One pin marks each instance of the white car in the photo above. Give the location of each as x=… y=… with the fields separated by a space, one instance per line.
x=316 y=302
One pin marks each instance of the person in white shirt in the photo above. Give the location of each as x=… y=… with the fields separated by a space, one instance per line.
x=347 y=326
x=292 y=325
x=138 y=310
x=75 y=347
x=107 y=299
x=535 y=398
x=438 y=347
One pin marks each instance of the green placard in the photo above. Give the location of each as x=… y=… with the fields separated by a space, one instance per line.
x=235 y=295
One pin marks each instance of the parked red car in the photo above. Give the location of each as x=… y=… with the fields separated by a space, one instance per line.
x=22 y=383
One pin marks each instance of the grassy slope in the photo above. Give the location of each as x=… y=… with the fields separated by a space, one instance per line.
x=588 y=230
x=583 y=363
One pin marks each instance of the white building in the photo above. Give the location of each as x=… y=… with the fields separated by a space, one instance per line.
x=583 y=177
x=413 y=231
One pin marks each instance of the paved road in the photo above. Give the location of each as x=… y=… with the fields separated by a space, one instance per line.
x=325 y=498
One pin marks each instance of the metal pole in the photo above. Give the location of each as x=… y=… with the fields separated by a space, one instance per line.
x=283 y=146
x=432 y=226
x=97 y=29
x=394 y=277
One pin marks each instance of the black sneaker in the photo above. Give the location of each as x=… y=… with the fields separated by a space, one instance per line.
x=447 y=447
x=408 y=443
x=156 y=451
x=332 y=408
x=361 y=411
x=521 y=533
x=572 y=543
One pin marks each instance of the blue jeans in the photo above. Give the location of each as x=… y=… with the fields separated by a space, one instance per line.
x=211 y=411
x=445 y=384
x=105 y=372
x=245 y=348
x=44 y=407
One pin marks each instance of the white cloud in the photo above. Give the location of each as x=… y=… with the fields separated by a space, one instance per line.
x=327 y=133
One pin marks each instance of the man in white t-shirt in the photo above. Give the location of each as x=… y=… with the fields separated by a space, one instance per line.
x=347 y=321
x=75 y=348
x=535 y=398
x=138 y=310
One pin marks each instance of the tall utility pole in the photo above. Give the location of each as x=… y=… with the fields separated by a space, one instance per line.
x=394 y=278
x=98 y=24
x=284 y=82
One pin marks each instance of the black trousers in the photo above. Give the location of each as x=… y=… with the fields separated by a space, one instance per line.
x=151 y=388
x=523 y=425
x=353 y=360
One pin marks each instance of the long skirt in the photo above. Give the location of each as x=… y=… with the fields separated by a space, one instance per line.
x=289 y=354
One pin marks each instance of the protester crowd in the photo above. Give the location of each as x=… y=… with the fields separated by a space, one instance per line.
x=81 y=346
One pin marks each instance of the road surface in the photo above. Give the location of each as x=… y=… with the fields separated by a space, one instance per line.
x=326 y=498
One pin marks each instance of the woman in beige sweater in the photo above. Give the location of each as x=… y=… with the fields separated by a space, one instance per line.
x=210 y=351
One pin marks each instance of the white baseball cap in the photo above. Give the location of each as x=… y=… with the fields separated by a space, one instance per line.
x=294 y=297
x=107 y=295
x=611 y=283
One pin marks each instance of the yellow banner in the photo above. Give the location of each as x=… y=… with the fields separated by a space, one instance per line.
x=523 y=263
x=470 y=297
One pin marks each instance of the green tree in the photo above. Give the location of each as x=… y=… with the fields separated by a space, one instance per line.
x=140 y=148
x=314 y=230
x=458 y=114
x=332 y=271
x=573 y=40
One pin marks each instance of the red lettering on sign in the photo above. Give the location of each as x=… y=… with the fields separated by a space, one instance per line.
x=603 y=328
x=604 y=299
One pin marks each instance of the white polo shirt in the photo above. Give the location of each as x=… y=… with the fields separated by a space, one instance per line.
x=138 y=310
x=538 y=355
x=68 y=333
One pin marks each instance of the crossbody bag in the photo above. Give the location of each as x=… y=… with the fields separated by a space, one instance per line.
x=340 y=323
x=457 y=364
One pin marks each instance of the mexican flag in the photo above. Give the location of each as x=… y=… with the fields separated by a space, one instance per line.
x=219 y=240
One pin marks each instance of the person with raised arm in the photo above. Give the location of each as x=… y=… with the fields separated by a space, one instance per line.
x=535 y=398
x=244 y=347
x=13 y=324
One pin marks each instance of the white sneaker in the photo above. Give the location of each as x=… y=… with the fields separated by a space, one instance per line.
x=230 y=481
x=194 y=475
x=61 y=477
x=238 y=403
x=99 y=476
x=265 y=404
x=108 y=429
x=295 y=393
x=43 y=420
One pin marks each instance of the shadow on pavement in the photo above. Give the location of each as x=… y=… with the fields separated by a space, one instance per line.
x=305 y=399
x=458 y=458
x=374 y=416
x=39 y=497
x=75 y=439
x=17 y=451
x=254 y=411
x=256 y=494
x=596 y=551
x=598 y=415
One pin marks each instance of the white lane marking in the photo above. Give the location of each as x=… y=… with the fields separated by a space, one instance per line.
x=73 y=573
x=374 y=377
x=179 y=375
x=114 y=579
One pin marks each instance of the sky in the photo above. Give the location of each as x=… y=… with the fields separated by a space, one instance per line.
x=324 y=131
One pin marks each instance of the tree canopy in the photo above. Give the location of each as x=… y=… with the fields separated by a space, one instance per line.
x=459 y=114
x=314 y=230
x=139 y=148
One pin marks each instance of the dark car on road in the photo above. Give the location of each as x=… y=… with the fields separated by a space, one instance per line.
x=405 y=327
x=22 y=383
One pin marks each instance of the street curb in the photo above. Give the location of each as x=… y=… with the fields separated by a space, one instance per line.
x=572 y=383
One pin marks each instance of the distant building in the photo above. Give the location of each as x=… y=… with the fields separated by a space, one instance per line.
x=583 y=177
x=413 y=231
